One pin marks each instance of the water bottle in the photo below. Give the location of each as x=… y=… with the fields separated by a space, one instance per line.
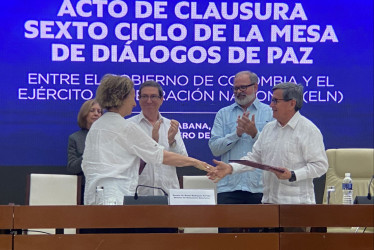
x=99 y=195
x=347 y=190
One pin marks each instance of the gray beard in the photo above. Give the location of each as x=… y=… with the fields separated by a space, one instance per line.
x=246 y=100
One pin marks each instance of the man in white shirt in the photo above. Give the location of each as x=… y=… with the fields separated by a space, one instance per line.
x=292 y=143
x=162 y=130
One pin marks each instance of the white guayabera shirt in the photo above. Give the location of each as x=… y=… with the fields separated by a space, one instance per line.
x=158 y=174
x=297 y=146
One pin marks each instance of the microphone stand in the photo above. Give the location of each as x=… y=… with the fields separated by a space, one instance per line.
x=136 y=191
x=369 y=193
x=365 y=199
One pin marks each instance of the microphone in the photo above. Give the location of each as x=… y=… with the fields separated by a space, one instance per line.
x=369 y=193
x=136 y=190
x=365 y=199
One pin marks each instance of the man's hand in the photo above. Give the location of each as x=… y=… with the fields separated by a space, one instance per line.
x=282 y=176
x=239 y=129
x=247 y=125
x=173 y=130
x=156 y=128
x=221 y=170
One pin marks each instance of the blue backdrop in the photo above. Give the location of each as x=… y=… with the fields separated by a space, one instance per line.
x=53 y=54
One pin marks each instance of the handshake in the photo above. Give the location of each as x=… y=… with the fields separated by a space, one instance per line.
x=222 y=169
x=215 y=173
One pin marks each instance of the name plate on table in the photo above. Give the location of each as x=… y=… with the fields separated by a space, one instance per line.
x=191 y=197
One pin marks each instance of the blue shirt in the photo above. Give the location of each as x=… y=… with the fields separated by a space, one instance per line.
x=226 y=143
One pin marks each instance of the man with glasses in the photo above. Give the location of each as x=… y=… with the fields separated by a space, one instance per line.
x=235 y=130
x=292 y=143
x=162 y=130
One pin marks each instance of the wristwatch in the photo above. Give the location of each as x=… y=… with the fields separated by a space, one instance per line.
x=293 y=177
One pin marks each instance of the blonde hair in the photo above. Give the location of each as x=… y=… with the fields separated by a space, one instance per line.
x=84 y=111
x=113 y=89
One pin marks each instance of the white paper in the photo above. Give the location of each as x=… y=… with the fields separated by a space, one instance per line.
x=191 y=197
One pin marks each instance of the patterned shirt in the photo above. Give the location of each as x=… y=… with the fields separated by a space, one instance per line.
x=226 y=143
x=297 y=146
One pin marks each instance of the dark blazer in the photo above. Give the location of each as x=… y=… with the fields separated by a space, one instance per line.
x=75 y=152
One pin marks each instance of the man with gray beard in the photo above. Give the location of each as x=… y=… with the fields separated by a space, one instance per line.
x=235 y=130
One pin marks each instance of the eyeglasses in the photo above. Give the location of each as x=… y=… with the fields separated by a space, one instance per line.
x=146 y=97
x=242 y=88
x=275 y=100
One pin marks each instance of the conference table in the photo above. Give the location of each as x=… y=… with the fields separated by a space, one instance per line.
x=6 y=223
x=20 y=218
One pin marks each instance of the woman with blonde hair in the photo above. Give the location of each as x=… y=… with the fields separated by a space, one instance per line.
x=114 y=145
x=89 y=112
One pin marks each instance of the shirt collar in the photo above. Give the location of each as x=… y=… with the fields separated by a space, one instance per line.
x=294 y=120
x=142 y=117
